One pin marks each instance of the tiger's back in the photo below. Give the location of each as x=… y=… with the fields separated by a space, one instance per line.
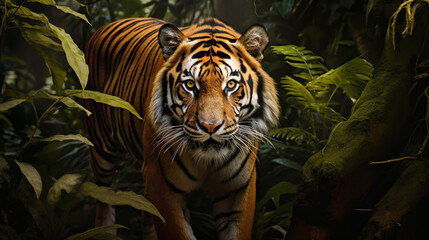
x=124 y=58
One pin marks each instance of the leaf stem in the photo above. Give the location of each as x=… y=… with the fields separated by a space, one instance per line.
x=38 y=121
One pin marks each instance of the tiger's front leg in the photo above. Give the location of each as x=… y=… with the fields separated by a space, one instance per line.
x=161 y=178
x=234 y=215
x=234 y=205
x=170 y=203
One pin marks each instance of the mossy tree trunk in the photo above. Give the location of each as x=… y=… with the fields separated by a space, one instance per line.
x=337 y=179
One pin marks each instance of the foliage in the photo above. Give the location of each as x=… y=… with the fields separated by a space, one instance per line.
x=314 y=103
x=315 y=97
x=24 y=160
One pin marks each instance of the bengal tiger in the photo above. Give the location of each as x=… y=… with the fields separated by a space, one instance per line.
x=206 y=104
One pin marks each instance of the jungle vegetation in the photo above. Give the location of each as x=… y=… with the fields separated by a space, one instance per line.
x=349 y=159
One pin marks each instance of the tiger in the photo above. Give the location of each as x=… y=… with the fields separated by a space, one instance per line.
x=206 y=104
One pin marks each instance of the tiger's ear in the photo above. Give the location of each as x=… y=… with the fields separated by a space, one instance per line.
x=255 y=40
x=169 y=38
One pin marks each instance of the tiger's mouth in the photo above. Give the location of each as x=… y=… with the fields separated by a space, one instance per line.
x=210 y=144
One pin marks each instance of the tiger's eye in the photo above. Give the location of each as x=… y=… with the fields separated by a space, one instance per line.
x=231 y=84
x=190 y=84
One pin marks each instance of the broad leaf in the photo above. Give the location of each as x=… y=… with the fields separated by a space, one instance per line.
x=351 y=77
x=74 y=55
x=327 y=113
x=277 y=190
x=108 y=196
x=288 y=163
x=69 y=137
x=67 y=183
x=62 y=8
x=32 y=176
x=97 y=233
x=38 y=35
x=69 y=102
x=10 y=104
x=16 y=94
x=102 y=98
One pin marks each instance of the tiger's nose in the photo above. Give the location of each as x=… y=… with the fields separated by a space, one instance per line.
x=210 y=127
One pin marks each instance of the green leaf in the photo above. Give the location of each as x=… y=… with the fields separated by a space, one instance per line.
x=370 y=4
x=301 y=58
x=97 y=233
x=67 y=183
x=277 y=190
x=32 y=176
x=292 y=133
x=72 y=12
x=351 y=77
x=16 y=94
x=10 y=104
x=33 y=35
x=102 y=98
x=327 y=113
x=297 y=92
x=69 y=137
x=62 y=8
x=288 y=163
x=38 y=35
x=58 y=74
x=108 y=196
x=69 y=102
x=5 y=119
x=74 y=55
x=278 y=228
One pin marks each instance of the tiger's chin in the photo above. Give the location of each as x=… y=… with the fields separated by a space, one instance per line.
x=211 y=151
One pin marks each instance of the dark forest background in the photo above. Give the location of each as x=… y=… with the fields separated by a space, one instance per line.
x=348 y=161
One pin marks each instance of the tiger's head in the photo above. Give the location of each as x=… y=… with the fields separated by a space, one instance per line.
x=212 y=96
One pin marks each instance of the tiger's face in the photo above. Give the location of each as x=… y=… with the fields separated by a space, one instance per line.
x=212 y=96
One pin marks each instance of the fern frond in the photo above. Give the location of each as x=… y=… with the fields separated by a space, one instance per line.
x=295 y=134
x=351 y=77
x=326 y=113
x=301 y=58
x=297 y=93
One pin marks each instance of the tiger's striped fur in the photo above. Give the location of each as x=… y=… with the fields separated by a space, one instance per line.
x=206 y=104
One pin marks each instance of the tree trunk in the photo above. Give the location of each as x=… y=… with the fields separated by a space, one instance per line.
x=338 y=177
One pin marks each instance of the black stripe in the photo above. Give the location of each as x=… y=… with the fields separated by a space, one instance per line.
x=212 y=31
x=197 y=45
x=227 y=162
x=223 y=228
x=179 y=162
x=239 y=189
x=225 y=215
x=224 y=45
x=200 y=54
x=211 y=22
x=197 y=38
x=222 y=55
x=172 y=187
x=231 y=40
x=237 y=172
